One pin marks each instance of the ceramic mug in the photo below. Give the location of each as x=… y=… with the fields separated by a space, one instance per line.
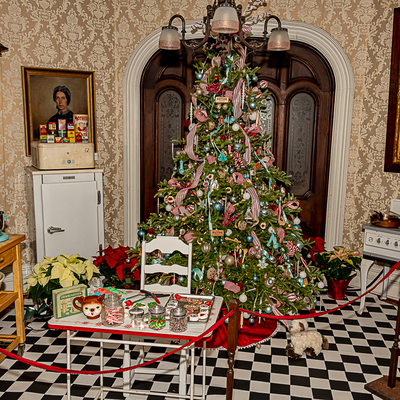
x=89 y=305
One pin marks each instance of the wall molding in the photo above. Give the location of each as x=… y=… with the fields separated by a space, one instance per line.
x=341 y=128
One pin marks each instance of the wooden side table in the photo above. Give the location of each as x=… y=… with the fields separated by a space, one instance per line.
x=10 y=253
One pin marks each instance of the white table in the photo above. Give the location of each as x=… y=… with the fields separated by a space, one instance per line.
x=79 y=323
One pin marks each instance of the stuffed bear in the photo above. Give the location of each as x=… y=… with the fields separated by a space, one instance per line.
x=305 y=341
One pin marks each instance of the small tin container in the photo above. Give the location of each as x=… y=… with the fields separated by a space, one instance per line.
x=137 y=317
x=179 y=320
x=156 y=317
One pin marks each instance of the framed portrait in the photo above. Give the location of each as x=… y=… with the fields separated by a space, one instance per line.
x=42 y=90
x=392 y=153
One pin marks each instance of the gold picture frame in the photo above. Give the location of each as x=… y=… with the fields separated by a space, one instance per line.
x=392 y=153
x=38 y=85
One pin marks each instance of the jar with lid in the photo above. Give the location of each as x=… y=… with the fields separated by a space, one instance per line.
x=179 y=320
x=137 y=317
x=112 y=313
x=156 y=317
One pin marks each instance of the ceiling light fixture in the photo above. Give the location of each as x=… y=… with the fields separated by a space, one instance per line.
x=224 y=18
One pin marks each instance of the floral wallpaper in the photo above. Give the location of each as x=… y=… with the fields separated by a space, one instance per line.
x=100 y=36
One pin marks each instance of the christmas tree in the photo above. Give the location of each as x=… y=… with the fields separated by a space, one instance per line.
x=227 y=197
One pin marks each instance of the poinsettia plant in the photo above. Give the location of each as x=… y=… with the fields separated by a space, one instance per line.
x=337 y=264
x=119 y=266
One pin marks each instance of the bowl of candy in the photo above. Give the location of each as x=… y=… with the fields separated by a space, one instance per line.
x=385 y=220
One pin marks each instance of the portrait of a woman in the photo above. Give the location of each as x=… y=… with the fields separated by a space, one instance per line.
x=62 y=98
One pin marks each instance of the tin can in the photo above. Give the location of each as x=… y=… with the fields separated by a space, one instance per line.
x=179 y=320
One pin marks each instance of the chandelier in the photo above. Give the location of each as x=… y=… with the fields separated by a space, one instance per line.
x=2 y=49
x=224 y=18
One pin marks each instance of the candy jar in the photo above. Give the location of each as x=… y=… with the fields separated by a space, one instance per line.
x=137 y=317
x=179 y=320
x=112 y=313
x=156 y=317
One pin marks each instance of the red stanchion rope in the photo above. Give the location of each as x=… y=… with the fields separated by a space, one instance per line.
x=212 y=328
x=115 y=371
x=313 y=315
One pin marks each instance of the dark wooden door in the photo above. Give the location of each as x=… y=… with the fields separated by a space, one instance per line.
x=298 y=115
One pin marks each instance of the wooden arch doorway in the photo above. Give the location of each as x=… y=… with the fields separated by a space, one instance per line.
x=299 y=117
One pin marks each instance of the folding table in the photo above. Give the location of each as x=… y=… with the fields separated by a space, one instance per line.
x=79 y=323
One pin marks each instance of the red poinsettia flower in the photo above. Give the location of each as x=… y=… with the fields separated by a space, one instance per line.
x=114 y=258
x=151 y=231
x=223 y=137
x=186 y=123
x=273 y=207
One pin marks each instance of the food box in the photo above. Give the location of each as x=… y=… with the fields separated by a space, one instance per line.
x=62 y=300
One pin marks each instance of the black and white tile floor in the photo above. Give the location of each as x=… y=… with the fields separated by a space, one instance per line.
x=359 y=353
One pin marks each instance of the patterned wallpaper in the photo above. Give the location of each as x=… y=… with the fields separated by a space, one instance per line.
x=100 y=36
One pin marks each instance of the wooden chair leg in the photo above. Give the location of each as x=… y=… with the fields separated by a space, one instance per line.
x=231 y=345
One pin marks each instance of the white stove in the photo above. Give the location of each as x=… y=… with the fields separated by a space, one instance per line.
x=381 y=245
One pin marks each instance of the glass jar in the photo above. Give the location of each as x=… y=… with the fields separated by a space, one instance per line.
x=156 y=317
x=137 y=317
x=179 y=320
x=112 y=313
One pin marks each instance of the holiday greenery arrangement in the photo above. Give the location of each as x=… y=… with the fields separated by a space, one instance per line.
x=227 y=197
x=59 y=272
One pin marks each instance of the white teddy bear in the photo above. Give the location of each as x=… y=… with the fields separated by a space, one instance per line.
x=305 y=341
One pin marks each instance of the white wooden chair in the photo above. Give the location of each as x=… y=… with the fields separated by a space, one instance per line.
x=167 y=245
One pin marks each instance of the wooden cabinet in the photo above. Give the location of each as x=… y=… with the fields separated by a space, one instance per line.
x=10 y=253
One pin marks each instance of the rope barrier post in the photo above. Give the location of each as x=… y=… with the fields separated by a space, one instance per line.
x=385 y=387
x=233 y=326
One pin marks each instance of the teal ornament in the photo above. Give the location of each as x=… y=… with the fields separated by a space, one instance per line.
x=264 y=252
x=181 y=279
x=272 y=259
x=252 y=98
x=199 y=75
x=206 y=149
x=252 y=105
x=232 y=170
x=177 y=218
x=217 y=206
x=254 y=78
x=249 y=239
x=299 y=281
x=197 y=274
x=268 y=310
x=299 y=245
x=154 y=261
x=141 y=233
x=222 y=157
x=255 y=278
x=246 y=176
x=181 y=169
x=261 y=203
x=237 y=146
x=251 y=320
x=264 y=212
x=167 y=255
x=223 y=282
x=255 y=186
x=226 y=65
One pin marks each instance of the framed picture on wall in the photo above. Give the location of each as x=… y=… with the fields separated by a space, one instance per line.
x=49 y=94
x=392 y=154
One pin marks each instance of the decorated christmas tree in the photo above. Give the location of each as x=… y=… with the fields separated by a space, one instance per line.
x=227 y=197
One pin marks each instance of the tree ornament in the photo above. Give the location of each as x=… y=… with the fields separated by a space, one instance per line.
x=255 y=278
x=229 y=260
x=199 y=75
x=303 y=274
x=223 y=282
x=264 y=212
x=225 y=106
x=168 y=207
x=141 y=233
x=269 y=282
x=297 y=221
x=246 y=196
x=167 y=256
x=299 y=245
x=211 y=273
x=268 y=309
x=237 y=146
x=219 y=106
x=254 y=78
x=206 y=149
x=246 y=315
x=299 y=281
x=253 y=116
x=216 y=78
x=251 y=320
x=235 y=127
x=228 y=232
x=173 y=280
x=181 y=279
x=199 y=193
x=249 y=239
x=216 y=278
x=199 y=92
x=176 y=218
x=252 y=105
x=206 y=247
x=217 y=206
x=243 y=298
x=320 y=285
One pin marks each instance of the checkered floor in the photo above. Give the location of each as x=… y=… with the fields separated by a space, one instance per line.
x=359 y=353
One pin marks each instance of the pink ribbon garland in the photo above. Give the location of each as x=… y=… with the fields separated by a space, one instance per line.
x=277 y=312
x=305 y=264
x=181 y=210
x=171 y=232
x=237 y=99
x=190 y=141
x=255 y=202
x=230 y=209
x=241 y=62
x=174 y=183
x=201 y=115
x=293 y=204
x=183 y=192
x=238 y=178
x=189 y=237
x=256 y=240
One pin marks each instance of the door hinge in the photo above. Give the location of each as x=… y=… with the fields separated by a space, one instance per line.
x=98 y=197
x=100 y=247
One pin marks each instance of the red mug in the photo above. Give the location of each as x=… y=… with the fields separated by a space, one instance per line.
x=90 y=305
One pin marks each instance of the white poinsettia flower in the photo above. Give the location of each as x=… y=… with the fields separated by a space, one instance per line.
x=78 y=268
x=62 y=259
x=66 y=274
x=32 y=281
x=67 y=282
x=57 y=271
x=44 y=280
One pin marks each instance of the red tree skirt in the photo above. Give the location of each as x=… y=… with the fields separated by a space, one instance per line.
x=248 y=336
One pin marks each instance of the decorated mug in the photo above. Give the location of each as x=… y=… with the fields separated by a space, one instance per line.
x=89 y=305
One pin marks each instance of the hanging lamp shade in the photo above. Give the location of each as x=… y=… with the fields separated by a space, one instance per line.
x=169 y=38
x=225 y=19
x=279 y=40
